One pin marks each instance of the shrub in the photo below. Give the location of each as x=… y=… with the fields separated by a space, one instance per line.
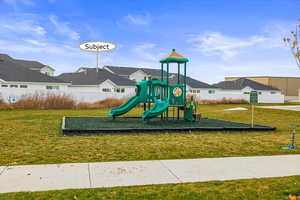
x=106 y=103
x=3 y=105
x=45 y=101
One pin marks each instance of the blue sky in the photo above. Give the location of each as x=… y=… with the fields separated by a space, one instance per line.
x=220 y=37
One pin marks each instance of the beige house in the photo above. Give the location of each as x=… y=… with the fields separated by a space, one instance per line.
x=289 y=86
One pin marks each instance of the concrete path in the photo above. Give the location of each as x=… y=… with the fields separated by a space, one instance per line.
x=293 y=108
x=112 y=174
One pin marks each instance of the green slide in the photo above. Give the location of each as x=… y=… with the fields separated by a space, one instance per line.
x=126 y=107
x=158 y=108
x=141 y=97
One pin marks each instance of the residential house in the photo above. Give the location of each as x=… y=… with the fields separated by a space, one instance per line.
x=91 y=84
x=289 y=86
x=31 y=65
x=17 y=80
x=241 y=88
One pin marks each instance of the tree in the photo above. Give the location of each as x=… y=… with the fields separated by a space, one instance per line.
x=293 y=41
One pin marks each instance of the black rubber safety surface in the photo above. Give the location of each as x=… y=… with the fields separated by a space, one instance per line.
x=81 y=125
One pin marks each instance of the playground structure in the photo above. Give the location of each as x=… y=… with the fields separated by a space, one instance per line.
x=162 y=93
x=157 y=97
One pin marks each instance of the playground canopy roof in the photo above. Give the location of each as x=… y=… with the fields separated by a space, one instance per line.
x=174 y=57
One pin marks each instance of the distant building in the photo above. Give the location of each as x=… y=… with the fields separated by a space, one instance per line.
x=17 y=80
x=289 y=86
x=134 y=73
x=90 y=85
x=241 y=88
x=196 y=88
x=31 y=65
x=21 y=77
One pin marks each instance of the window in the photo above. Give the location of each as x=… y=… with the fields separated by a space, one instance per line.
x=259 y=93
x=106 y=90
x=122 y=90
x=14 y=86
x=246 y=92
x=191 y=91
x=52 y=87
x=23 y=86
x=211 y=91
x=194 y=91
x=273 y=92
x=198 y=91
x=4 y=85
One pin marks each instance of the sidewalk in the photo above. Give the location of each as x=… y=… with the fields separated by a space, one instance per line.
x=112 y=174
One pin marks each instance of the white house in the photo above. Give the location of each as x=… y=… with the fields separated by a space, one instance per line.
x=91 y=84
x=241 y=88
x=31 y=65
x=20 y=77
x=16 y=81
x=196 y=88
x=134 y=73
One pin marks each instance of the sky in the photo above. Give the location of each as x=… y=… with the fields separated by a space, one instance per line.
x=220 y=37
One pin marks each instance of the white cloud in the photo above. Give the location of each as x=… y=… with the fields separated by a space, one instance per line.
x=138 y=19
x=24 y=27
x=217 y=44
x=227 y=47
x=142 y=50
x=35 y=42
x=63 y=28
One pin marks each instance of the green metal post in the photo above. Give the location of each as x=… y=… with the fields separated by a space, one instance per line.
x=184 y=83
x=162 y=72
x=178 y=81
x=178 y=75
x=162 y=89
x=167 y=95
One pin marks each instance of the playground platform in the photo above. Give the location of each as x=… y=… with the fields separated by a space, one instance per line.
x=102 y=125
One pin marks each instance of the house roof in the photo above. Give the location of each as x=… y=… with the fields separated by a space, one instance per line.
x=242 y=83
x=193 y=83
x=11 y=71
x=93 y=77
x=126 y=71
x=33 y=65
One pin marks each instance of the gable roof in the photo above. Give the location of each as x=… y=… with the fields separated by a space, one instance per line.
x=242 y=83
x=11 y=71
x=32 y=65
x=93 y=77
x=193 y=83
x=127 y=71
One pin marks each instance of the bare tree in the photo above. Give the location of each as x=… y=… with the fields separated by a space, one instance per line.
x=293 y=41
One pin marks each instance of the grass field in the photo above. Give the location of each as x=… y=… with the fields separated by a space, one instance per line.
x=254 y=189
x=33 y=137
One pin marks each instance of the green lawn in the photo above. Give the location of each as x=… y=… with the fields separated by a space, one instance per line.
x=254 y=189
x=33 y=137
